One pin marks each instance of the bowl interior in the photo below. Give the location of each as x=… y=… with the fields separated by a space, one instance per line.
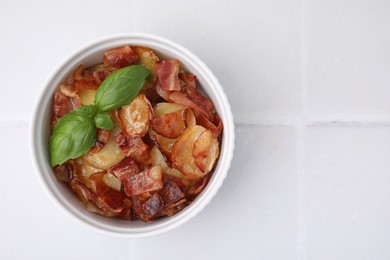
x=62 y=195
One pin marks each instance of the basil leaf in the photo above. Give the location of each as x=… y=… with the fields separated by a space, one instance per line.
x=103 y=121
x=121 y=87
x=74 y=135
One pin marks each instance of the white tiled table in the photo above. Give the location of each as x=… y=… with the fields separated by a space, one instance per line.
x=309 y=85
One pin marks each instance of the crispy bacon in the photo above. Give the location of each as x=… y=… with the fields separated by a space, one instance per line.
x=62 y=173
x=100 y=198
x=174 y=208
x=101 y=75
x=120 y=57
x=162 y=93
x=215 y=129
x=102 y=139
x=90 y=78
x=167 y=72
x=171 y=192
x=61 y=105
x=125 y=168
x=102 y=135
x=134 y=147
x=183 y=99
x=147 y=180
x=152 y=96
x=197 y=186
x=189 y=80
x=191 y=91
x=151 y=207
x=106 y=196
x=82 y=191
x=170 y=125
x=181 y=183
x=200 y=99
x=96 y=148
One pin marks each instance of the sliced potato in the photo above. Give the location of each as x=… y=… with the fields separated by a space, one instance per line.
x=114 y=114
x=158 y=159
x=111 y=181
x=191 y=120
x=87 y=96
x=83 y=169
x=166 y=108
x=136 y=116
x=107 y=157
x=147 y=58
x=201 y=149
x=164 y=143
x=182 y=158
x=81 y=190
x=205 y=151
x=170 y=125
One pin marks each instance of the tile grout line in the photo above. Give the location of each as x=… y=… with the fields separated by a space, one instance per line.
x=301 y=142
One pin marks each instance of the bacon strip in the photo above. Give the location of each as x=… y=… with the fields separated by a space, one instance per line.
x=106 y=196
x=125 y=168
x=215 y=129
x=90 y=79
x=171 y=193
x=134 y=147
x=147 y=180
x=182 y=99
x=167 y=72
x=189 y=80
x=152 y=207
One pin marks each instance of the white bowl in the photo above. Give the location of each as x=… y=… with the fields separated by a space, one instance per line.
x=61 y=194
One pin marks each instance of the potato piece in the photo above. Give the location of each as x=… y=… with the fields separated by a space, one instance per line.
x=191 y=120
x=206 y=151
x=164 y=143
x=216 y=127
x=114 y=114
x=111 y=181
x=147 y=58
x=136 y=116
x=83 y=169
x=166 y=108
x=158 y=159
x=87 y=96
x=120 y=57
x=170 y=125
x=182 y=158
x=110 y=155
x=81 y=190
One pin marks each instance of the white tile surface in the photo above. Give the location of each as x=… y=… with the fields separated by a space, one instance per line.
x=32 y=227
x=348 y=59
x=308 y=82
x=243 y=62
x=347 y=191
x=254 y=213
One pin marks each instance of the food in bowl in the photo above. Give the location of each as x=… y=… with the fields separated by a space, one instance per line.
x=133 y=137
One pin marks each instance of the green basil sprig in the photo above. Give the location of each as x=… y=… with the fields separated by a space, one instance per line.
x=103 y=121
x=120 y=87
x=75 y=133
